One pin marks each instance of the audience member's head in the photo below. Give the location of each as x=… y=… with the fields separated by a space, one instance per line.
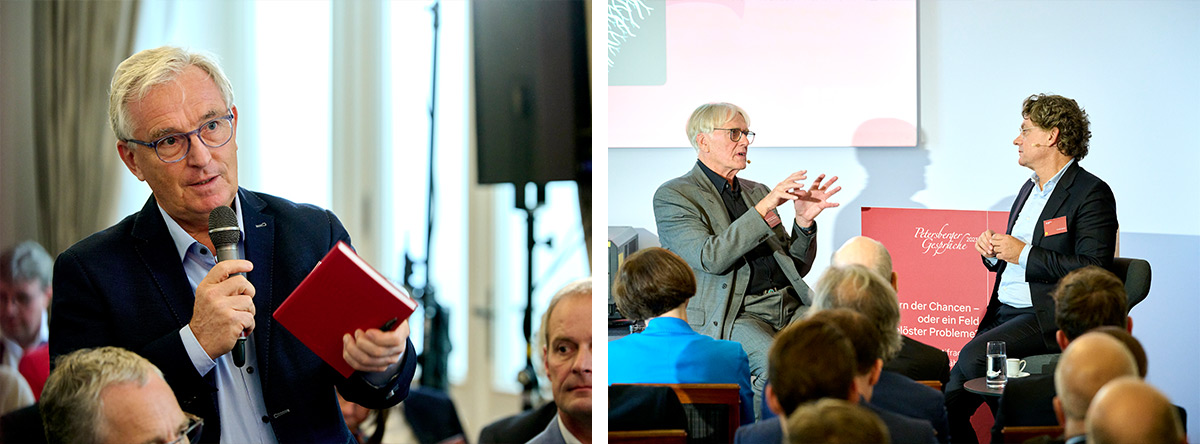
x=869 y=253
x=111 y=395
x=859 y=289
x=651 y=282
x=865 y=339
x=1129 y=411
x=1134 y=346
x=1087 y=364
x=835 y=421
x=567 y=355
x=25 y=292
x=809 y=360
x=1087 y=298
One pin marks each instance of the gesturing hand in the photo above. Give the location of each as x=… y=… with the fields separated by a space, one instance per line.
x=814 y=200
x=984 y=244
x=783 y=192
x=224 y=307
x=374 y=350
x=1007 y=248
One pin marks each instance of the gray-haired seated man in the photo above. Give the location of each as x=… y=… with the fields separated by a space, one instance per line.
x=112 y=395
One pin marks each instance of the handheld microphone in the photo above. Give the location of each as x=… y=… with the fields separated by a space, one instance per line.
x=224 y=232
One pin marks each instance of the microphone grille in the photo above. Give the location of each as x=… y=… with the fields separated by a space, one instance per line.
x=223 y=227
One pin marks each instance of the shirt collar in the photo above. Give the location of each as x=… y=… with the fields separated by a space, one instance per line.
x=1053 y=180
x=184 y=241
x=566 y=434
x=717 y=180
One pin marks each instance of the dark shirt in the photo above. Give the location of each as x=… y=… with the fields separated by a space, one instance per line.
x=765 y=273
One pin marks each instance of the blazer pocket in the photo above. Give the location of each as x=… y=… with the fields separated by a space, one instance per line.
x=696 y=317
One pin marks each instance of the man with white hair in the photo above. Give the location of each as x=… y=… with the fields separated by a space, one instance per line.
x=152 y=283
x=749 y=266
x=916 y=359
x=111 y=395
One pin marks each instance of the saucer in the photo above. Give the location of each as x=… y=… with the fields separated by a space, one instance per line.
x=1020 y=375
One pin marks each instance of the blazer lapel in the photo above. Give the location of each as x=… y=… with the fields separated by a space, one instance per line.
x=155 y=247
x=260 y=248
x=1061 y=193
x=712 y=200
x=1018 y=204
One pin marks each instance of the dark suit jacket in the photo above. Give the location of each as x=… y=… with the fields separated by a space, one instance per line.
x=901 y=429
x=1027 y=401
x=125 y=287
x=519 y=428
x=920 y=362
x=693 y=223
x=899 y=394
x=1091 y=238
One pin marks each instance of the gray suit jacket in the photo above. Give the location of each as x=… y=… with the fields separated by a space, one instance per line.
x=552 y=434
x=693 y=223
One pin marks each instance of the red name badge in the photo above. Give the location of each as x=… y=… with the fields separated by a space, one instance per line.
x=1055 y=226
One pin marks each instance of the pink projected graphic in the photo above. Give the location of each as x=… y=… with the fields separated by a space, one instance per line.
x=809 y=73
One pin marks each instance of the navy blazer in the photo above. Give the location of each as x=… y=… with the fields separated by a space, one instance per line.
x=1091 y=238
x=920 y=361
x=899 y=394
x=901 y=429
x=125 y=287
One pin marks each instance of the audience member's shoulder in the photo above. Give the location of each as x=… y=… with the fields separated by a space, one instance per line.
x=767 y=431
x=905 y=429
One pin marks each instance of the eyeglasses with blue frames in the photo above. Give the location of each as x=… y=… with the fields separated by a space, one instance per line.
x=190 y=433
x=735 y=134
x=172 y=148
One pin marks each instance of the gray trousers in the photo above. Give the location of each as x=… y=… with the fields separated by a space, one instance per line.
x=755 y=327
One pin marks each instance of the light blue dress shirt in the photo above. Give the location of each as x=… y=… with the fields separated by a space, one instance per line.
x=1014 y=289
x=239 y=391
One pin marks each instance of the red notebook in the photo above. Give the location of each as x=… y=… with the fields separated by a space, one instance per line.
x=341 y=294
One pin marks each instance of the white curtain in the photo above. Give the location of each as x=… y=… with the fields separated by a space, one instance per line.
x=76 y=47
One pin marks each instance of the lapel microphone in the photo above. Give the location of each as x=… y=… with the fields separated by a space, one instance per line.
x=224 y=232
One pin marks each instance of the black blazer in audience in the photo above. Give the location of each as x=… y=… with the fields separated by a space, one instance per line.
x=920 y=362
x=519 y=428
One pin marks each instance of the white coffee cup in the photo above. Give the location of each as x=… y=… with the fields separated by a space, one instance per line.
x=1015 y=367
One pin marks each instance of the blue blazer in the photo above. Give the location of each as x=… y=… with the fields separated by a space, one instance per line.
x=669 y=351
x=125 y=287
x=901 y=429
x=899 y=394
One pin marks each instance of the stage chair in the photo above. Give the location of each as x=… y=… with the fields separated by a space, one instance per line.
x=1135 y=273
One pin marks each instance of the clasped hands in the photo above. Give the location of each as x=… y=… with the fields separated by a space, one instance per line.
x=224 y=307
x=1000 y=246
x=809 y=202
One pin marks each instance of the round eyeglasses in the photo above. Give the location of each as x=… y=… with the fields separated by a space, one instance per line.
x=172 y=148
x=190 y=432
x=735 y=134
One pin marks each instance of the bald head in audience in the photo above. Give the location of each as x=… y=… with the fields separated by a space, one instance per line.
x=1127 y=410
x=1086 y=365
x=869 y=253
